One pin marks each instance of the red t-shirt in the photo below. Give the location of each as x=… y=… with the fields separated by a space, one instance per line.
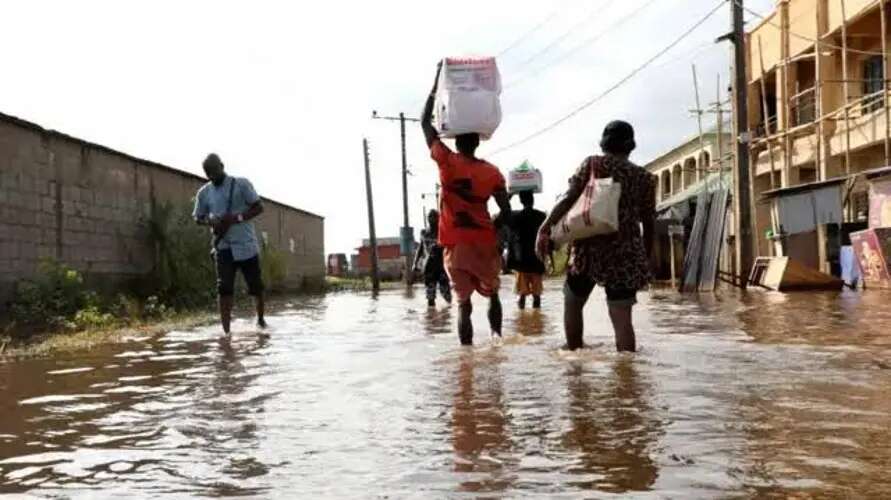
x=467 y=184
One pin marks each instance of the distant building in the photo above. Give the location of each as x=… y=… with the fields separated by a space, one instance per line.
x=337 y=264
x=683 y=173
x=391 y=262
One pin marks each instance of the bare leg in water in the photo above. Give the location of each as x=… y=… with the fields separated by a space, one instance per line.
x=261 y=311
x=226 y=312
x=622 y=325
x=495 y=314
x=465 y=326
x=573 y=322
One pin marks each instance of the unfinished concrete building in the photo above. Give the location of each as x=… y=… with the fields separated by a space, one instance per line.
x=818 y=114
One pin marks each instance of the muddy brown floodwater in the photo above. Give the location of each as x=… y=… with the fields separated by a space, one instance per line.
x=756 y=396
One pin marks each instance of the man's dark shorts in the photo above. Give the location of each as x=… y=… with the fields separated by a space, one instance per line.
x=226 y=268
x=581 y=287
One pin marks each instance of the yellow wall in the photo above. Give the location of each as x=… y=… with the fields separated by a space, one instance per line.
x=802 y=22
x=853 y=8
x=769 y=34
x=804 y=150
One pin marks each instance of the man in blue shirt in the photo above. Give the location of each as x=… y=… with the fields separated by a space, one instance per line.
x=227 y=204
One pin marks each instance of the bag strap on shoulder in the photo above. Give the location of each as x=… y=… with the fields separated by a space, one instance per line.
x=231 y=192
x=595 y=167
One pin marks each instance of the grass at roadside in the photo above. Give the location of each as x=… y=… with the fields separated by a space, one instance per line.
x=47 y=343
x=18 y=344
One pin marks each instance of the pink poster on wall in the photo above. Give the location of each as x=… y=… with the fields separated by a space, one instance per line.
x=880 y=204
x=869 y=254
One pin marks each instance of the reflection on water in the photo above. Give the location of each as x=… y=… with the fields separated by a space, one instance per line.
x=765 y=395
x=479 y=426
x=611 y=428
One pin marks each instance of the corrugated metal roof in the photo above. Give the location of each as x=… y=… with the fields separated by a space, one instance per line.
x=693 y=191
x=810 y=186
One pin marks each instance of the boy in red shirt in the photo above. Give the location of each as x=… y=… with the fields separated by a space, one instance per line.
x=466 y=230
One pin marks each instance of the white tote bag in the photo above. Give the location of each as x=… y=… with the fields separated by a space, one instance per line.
x=595 y=213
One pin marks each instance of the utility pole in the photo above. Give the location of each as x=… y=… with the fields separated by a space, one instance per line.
x=742 y=196
x=702 y=168
x=406 y=233
x=719 y=112
x=372 y=237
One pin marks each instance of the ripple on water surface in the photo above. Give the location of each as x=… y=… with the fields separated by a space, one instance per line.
x=753 y=396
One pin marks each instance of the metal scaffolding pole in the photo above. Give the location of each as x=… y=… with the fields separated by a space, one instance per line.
x=765 y=110
x=884 y=22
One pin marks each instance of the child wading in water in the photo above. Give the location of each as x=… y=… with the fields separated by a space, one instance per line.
x=430 y=253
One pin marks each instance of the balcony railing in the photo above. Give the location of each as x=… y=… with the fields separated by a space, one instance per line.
x=870 y=103
x=761 y=130
x=803 y=112
x=803 y=107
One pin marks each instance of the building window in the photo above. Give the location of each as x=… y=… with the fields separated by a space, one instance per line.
x=873 y=76
x=860 y=201
x=677 y=177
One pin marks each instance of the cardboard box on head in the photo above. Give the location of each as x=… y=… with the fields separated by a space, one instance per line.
x=524 y=178
x=468 y=97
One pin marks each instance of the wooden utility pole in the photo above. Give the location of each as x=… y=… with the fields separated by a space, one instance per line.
x=846 y=90
x=406 y=234
x=719 y=111
x=372 y=237
x=884 y=24
x=741 y=179
x=765 y=110
x=699 y=112
x=786 y=123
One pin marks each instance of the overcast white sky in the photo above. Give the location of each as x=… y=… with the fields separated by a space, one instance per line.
x=284 y=91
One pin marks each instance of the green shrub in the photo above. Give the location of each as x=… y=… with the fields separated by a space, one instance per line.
x=52 y=298
x=183 y=273
x=91 y=317
x=153 y=308
x=273 y=267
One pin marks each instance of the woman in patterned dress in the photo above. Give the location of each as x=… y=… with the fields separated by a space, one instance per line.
x=619 y=262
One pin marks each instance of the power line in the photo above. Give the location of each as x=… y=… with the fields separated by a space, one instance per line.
x=617 y=85
x=807 y=38
x=580 y=46
x=529 y=33
x=568 y=32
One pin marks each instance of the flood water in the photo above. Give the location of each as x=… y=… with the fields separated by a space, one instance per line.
x=757 y=396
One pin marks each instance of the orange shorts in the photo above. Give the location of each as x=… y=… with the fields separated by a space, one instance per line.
x=473 y=268
x=529 y=284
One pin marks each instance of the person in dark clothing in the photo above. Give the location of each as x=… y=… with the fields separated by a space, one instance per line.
x=430 y=252
x=522 y=258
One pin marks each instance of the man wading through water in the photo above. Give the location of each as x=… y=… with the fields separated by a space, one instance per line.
x=466 y=230
x=227 y=204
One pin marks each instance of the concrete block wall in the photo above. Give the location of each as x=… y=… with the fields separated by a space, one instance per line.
x=85 y=205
